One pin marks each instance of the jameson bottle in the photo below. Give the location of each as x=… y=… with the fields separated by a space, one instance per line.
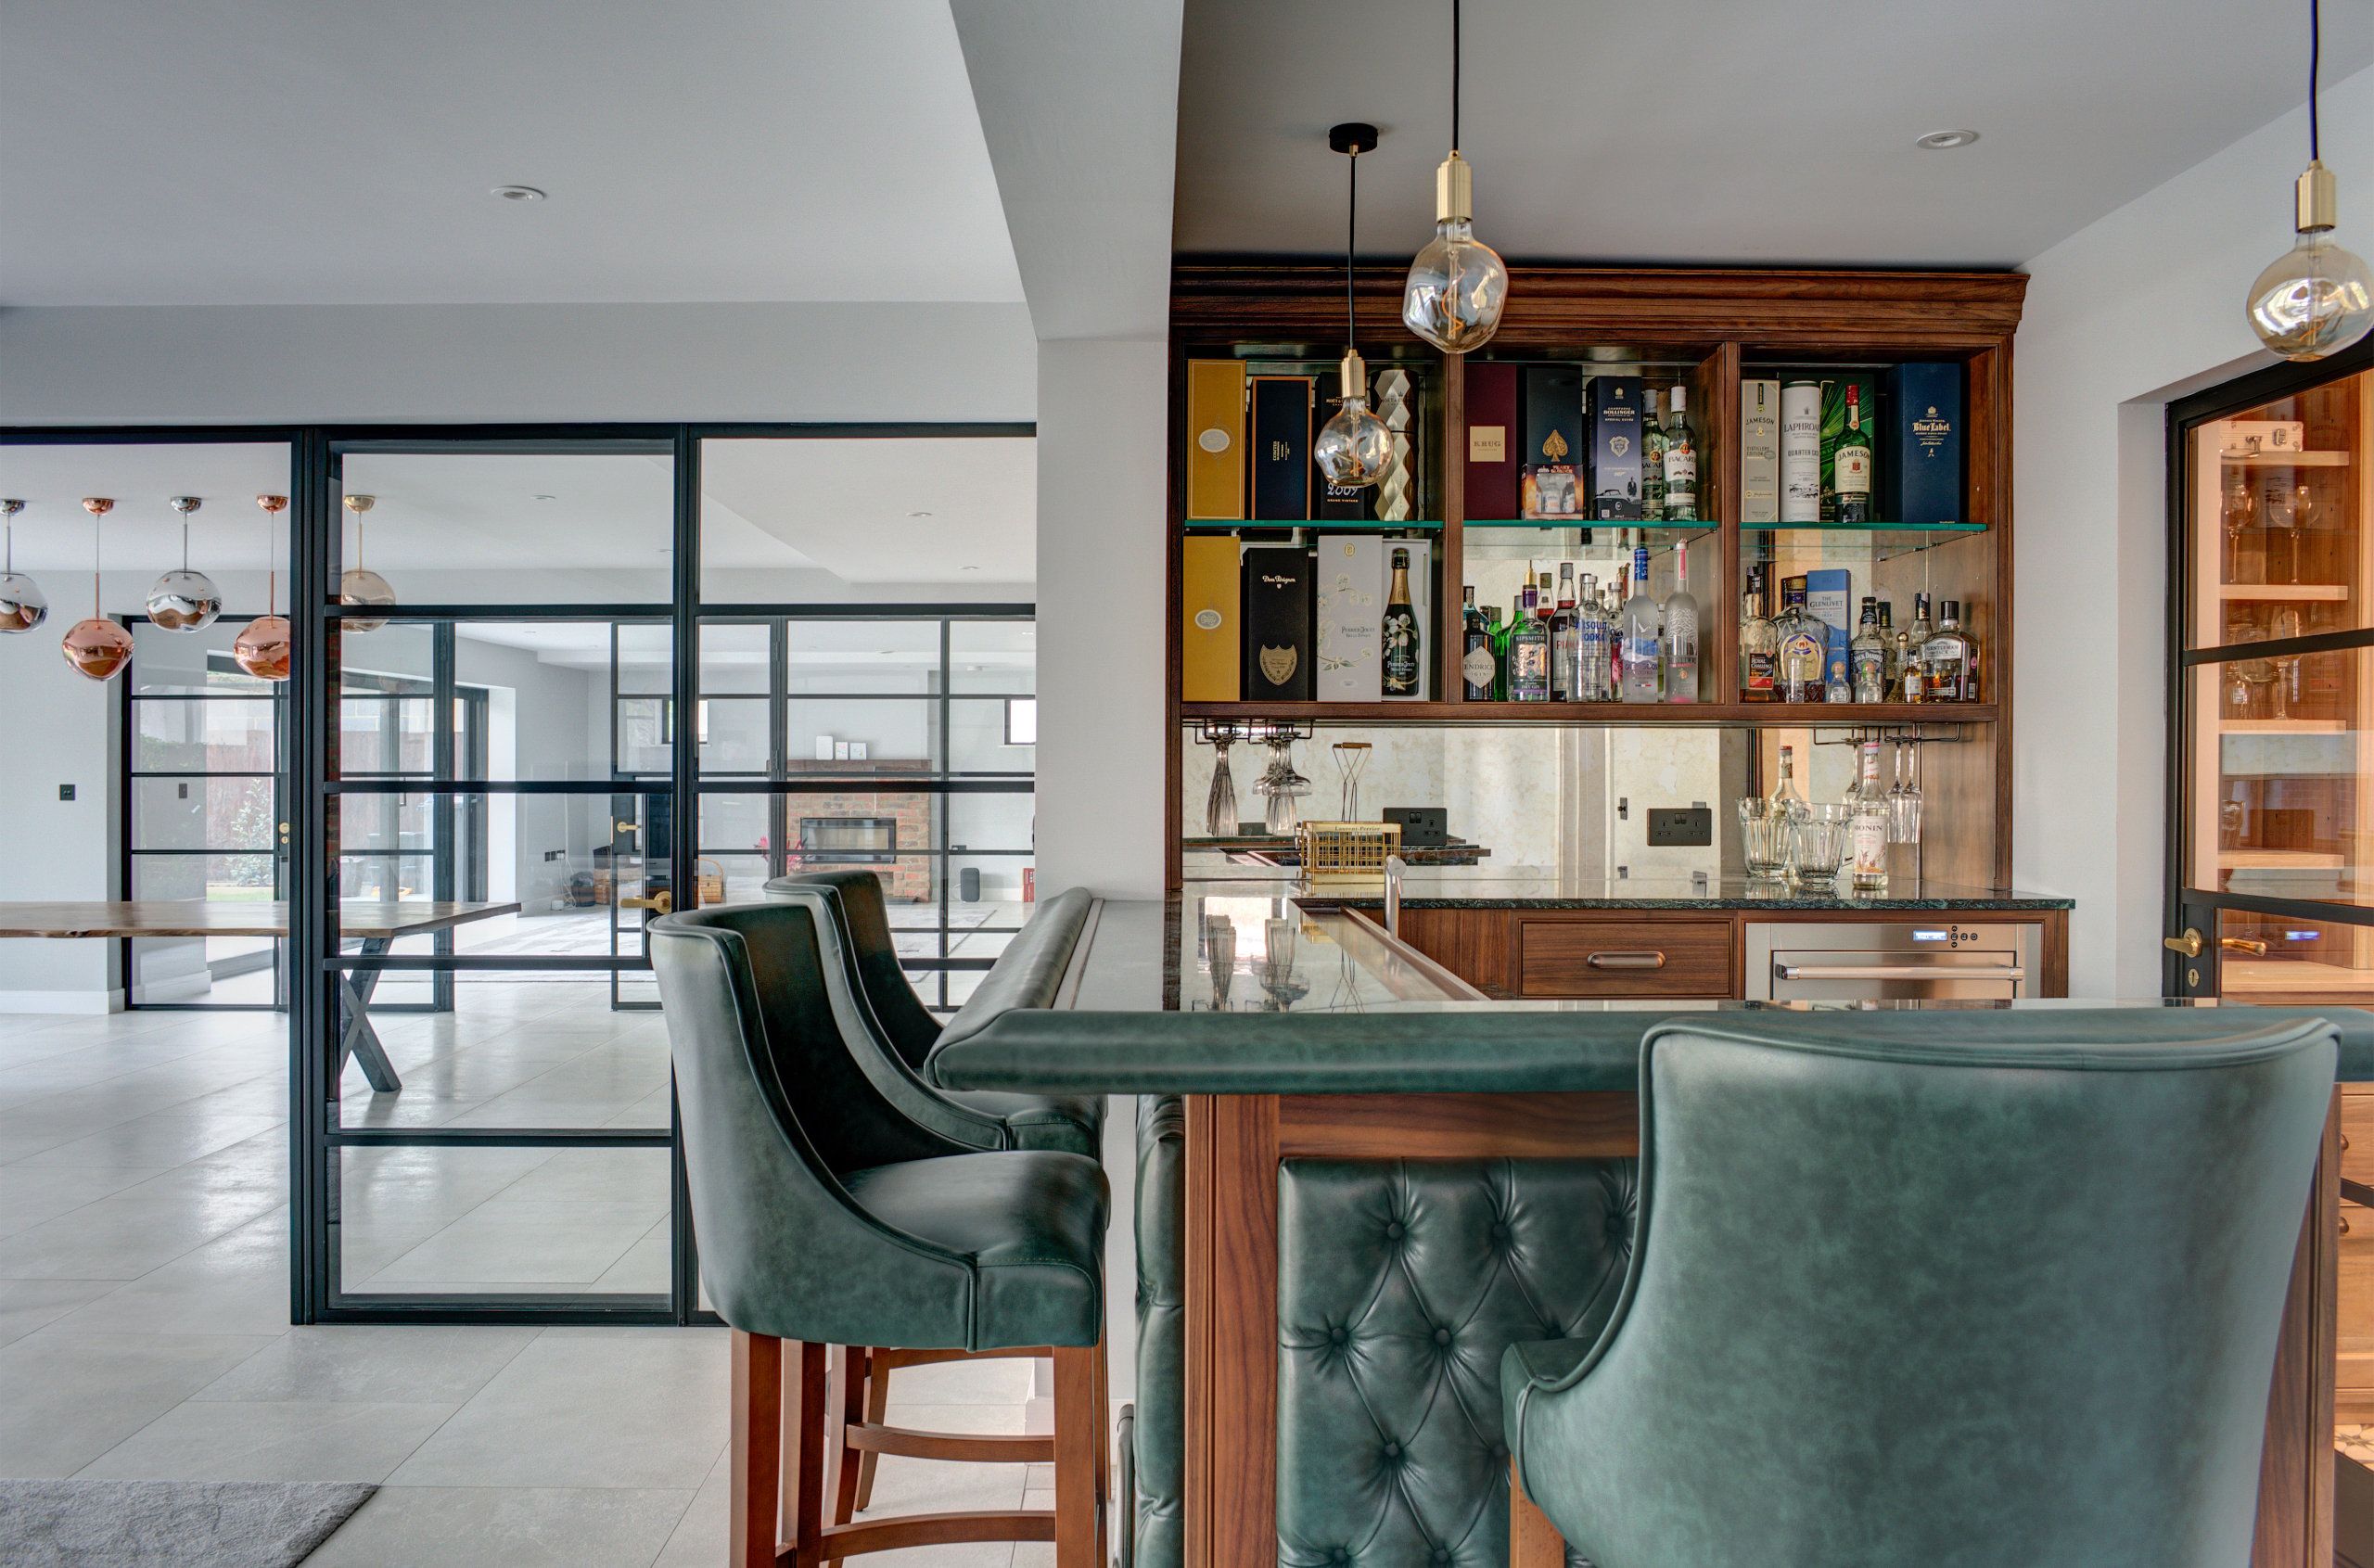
x=1850 y=463
x=1680 y=462
x=1652 y=458
x=1404 y=653
x=1476 y=666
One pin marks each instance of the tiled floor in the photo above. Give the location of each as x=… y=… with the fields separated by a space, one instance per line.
x=143 y=1294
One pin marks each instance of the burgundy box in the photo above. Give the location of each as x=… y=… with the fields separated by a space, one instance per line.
x=1492 y=441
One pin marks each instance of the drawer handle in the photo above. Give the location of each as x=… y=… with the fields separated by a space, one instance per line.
x=1646 y=957
x=1898 y=972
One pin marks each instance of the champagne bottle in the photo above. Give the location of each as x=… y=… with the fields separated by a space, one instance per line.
x=1404 y=661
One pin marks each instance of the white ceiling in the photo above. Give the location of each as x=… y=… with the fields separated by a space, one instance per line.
x=1723 y=132
x=299 y=151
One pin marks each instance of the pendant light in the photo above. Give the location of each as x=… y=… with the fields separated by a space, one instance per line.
x=184 y=600
x=1354 y=448
x=263 y=646
x=99 y=647
x=21 y=604
x=361 y=586
x=1457 y=283
x=2315 y=299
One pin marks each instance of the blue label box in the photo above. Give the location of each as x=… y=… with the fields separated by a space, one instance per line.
x=1920 y=454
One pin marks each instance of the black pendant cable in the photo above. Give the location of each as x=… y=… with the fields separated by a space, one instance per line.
x=2316 y=298
x=1354 y=448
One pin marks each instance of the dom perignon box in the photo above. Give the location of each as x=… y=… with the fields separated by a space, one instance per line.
x=1279 y=635
x=1920 y=444
x=1759 y=452
x=1283 y=473
x=1612 y=428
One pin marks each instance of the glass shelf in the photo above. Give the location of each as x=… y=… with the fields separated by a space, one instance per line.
x=1883 y=541
x=1667 y=527
x=1321 y=524
x=1863 y=527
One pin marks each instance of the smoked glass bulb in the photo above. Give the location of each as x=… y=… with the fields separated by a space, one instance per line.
x=1456 y=287
x=364 y=589
x=21 y=604
x=185 y=601
x=2314 y=299
x=1354 y=448
x=97 y=647
x=262 y=648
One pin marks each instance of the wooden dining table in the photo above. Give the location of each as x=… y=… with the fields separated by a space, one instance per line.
x=376 y=923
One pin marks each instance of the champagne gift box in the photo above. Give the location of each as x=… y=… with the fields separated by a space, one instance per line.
x=1280 y=637
x=1216 y=440
x=1349 y=614
x=1211 y=636
x=1284 y=475
x=1492 y=451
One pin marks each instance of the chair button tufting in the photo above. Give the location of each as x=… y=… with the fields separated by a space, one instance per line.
x=1393 y=1450
x=1338 y=1335
x=1339 y=1555
x=1499 y=1233
x=1393 y=1232
x=1441 y=1554
x=1442 y=1336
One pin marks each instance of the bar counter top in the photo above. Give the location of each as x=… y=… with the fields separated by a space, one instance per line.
x=1540 y=888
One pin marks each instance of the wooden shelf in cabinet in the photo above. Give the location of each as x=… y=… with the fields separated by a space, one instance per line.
x=2284 y=593
x=1618 y=713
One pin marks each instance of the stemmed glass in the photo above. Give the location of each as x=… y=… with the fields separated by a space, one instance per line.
x=1904 y=800
x=1281 y=786
x=1219 y=807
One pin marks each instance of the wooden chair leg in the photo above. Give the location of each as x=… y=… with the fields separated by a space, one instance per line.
x=804 y=1484
x=1079 y=1442
x=847 y=1395
x=878 y=1411
x=1534 y=1542
x=755 y=1449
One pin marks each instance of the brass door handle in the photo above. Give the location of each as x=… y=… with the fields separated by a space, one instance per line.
x=2189 y=944
x=2242 y=945
x=661 y=902
x=1646 y=958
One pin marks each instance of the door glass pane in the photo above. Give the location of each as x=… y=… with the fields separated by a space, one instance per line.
x=204 y=813
x=459 y=1222
x=171 y=735
x=2277 y=807
x=2278 y=498
x=2269 y=959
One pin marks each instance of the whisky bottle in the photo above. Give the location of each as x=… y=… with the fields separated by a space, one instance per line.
x=1680 y=462
x=1868 y=656
x=1892 y=680
x=1642 y=626
x=1530 y=649
x=1945 y=657
x=1652 y=458
x=1403 y=652
x=1592 y=634
x=1802 y=646
x=1916 y=652
x=1759 y=648
x=1681 y=622
x=1475 y=665
x=1851 y=463
x=1566 y=641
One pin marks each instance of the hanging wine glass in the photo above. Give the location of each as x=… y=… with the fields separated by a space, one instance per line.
x=22 y=607
x=262 y=648
x=1219 y=806
x=184 y=600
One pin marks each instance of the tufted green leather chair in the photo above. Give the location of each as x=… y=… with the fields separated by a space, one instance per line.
x=874 y=1004
x=1159 y=1431
x=1936 y=1289
x=826 y=1218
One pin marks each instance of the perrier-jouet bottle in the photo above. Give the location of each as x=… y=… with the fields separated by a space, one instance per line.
x=1404 y=664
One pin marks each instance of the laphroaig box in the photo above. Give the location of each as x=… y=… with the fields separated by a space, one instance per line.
x=1920 y=444
x=1611 y=439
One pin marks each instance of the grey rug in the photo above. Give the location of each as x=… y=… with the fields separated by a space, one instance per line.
x=169 y=1523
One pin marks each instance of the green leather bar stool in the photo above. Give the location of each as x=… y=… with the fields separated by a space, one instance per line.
x=826 y=1219
x=891 y=1033
x=1946 y=1289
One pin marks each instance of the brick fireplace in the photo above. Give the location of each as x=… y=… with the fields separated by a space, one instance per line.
x=879 y=827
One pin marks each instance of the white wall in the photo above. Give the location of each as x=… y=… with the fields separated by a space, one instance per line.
x=2134 y=310
x=66 y=733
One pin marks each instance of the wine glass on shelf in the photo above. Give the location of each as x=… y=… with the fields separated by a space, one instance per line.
x=1904 y=798
x=2282 y=625
x=1219 y=806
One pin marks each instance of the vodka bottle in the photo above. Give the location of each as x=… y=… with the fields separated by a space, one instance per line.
x=1566 y=640
x=1948 y=660
x=1642 y=630
x=1867 y=823
x=1868 y=656
x=1593 y=637
x=1681 y=620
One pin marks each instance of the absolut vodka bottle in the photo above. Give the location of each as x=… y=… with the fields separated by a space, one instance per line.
x=1594 y=654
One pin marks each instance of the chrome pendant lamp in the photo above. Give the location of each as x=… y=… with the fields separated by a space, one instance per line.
x=96 y=646
x=1354 y=448
x=22 y=607
x=1457 y=283
x=184 y=600
x=360 y=586
x=263 y=646
x=2315 y=299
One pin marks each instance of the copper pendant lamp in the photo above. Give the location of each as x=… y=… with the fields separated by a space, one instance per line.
x=184 y=600
x=263 y=647
x=97 y=647
x=21 y=604
x=361 y=587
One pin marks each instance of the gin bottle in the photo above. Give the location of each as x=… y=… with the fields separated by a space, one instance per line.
x=1593 y=657
x=1653 y=459
x=1529 y=650
x=1759 y=645
x=1681 y=625
x=1802 y=646
x=1867 y=820
x=1868 y=656
x=1680 y=462
x=1642 y=628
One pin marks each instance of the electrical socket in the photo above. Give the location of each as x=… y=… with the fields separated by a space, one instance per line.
x=1681 y=827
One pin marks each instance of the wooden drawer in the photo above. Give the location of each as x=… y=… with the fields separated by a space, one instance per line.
x=1624 y=958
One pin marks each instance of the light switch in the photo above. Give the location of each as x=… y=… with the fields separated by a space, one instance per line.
x=66 y=792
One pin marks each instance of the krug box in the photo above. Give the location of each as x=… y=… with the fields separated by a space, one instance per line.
x=1283 y=473
x=1759 y=452
x=1279 y=633
x=1611 y=421
x=1550 y=467
x=1342 y=504
x=1920 y=460
x=1350 y=616
x=1215 y=438
x=1492 y=451
x=1834 y=422
x=1211 y=638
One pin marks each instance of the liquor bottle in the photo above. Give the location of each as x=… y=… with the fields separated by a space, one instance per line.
x=1681 y=461
x=1892 y=679
x=1916 y=653
x=1867 y=823
x=1945 y=658
x=1851 y=463
x=1868 y=656
x=1495 y=637
x=1801 y=644
x=1530 y=649
x=1565 y=643
x=1759 y=645
x=1785 y=804
x=1652 y=458
x=1593 y=636
x=1619 y=588
x=1402 y=656
x=1681 y=621
x=1641 y=629
x=1476 y=666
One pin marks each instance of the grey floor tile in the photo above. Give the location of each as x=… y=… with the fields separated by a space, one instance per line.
x=71 y=1397
x=271 y=1440
x=27 y=1304
x=431 y=1527
x=341 y=1363
x=235 y=1285
x=30 y=1195
x=525 y=1242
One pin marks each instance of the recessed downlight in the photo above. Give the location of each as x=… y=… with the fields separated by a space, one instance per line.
x=518 y=193
x=1938 y=140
